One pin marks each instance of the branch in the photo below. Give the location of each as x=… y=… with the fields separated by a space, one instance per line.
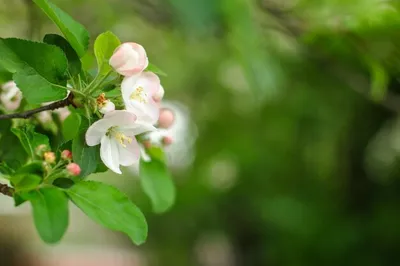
x=6 y=190
x=62 y=103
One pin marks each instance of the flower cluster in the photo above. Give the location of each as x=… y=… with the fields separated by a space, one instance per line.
x=142 y=93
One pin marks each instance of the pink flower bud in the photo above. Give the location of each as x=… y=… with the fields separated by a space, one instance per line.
x=66 y=155
x=166 y=118
x=73 y=169
x=147 y=144
x=167 y=140
x=129 y=59
x=49 y=157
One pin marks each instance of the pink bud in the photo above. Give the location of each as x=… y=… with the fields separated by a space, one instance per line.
x=166 y=118
x=73 y=169
x=167 y=140
x=147 y=144
x=49 y=157
x=66 y=155
x=129 y=59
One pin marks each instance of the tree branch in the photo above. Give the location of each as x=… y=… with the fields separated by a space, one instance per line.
x=62 y=103
x=6 y=190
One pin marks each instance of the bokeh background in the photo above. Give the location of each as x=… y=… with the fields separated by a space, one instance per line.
x=289 y=153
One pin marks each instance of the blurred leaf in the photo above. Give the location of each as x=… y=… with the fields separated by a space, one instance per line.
x=63 y=182
x=73 y=31
x=71 y=126
x=50 y=213
x=379 y=82
x=109 y=207
x=74 y=63
x=155 y=70
x=25 y=181
x=34 y=167
x=30 y=140
x=104 y=47
x=38 y=69
x=157 y=184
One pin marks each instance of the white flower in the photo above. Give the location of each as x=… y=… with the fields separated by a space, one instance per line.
x=137 y=93
x=11 y=96
x=157 y=97
x=116 y=134
x=107 y=107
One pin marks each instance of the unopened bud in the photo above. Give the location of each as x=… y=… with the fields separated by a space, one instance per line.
x=107 y=107
x=49 y=157
x=66 y=155
x=166 y=118
x=167 y=140
x=41 y=149
x=74 y=169
x=147 y=144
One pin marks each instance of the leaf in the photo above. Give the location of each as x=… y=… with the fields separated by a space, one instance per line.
x=109 y=207
x=12 y=151
x=157 y=184
x=38 y=69
x=82 y=154
x=5 y=169
x=74 y=63
x=104 y=47
x=71 y=126
x=379 y=82
x=63 y=182
x=73 y=31
x=156 y=70
x=50 y=213
x=34 y=167
x=29 y=139
x=25 y=181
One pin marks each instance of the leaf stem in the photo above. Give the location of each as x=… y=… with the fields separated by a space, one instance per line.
x=62 y=103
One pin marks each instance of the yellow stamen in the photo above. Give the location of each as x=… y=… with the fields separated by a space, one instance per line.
x=121 y=138
x=139 y=95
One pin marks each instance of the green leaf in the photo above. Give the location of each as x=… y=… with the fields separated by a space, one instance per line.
x=12 y=151
x=156 y=70
x=84 y=155
x=5 y=169
x=34 y=167
x=71 y=126
x=73 y=31
x=63 y=182
x=50 y=213
x=38 y=69
x=379 y=82
x=29 y=139
x=104 y=47
x=25 y=181
x=157 y=184
x=74 y=63
x=111 y=208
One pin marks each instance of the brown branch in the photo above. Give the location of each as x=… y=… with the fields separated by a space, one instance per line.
x=6 y=190
x=62 y=103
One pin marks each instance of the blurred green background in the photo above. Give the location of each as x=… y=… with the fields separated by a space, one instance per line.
x=294 y=105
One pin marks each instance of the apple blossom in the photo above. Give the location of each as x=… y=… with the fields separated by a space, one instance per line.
x=11 y=96
x=159 y=95
x=116 y=134
x=137 y=93
x=166 y=118
x=129 y=59
x=49 y=157
x=66 y=155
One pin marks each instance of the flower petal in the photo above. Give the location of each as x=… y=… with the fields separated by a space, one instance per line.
x=109 y=154
x=137 y=128
x=130 y=154
x=96 y=131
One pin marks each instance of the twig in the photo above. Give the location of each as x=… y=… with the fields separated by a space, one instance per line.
x=6 y=190
x=62 y=103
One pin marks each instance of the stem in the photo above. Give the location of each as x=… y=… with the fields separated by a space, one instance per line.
x=6 y=190
x=62 y=103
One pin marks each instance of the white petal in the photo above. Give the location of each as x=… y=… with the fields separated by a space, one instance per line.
x=137 y=128
x=97 y=130
x=130 y=154
x=109 y=154
x=120 y=118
